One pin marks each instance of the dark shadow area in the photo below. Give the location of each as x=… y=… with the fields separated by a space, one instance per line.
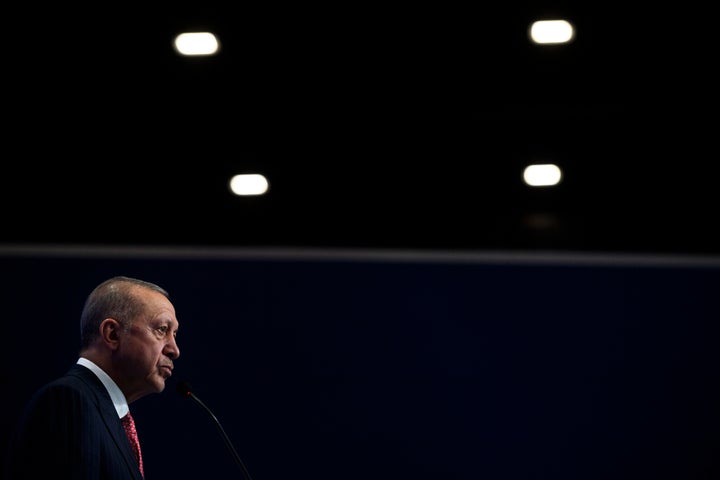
x=377 y=127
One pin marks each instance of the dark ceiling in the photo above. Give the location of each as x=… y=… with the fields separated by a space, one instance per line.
x=377 y=126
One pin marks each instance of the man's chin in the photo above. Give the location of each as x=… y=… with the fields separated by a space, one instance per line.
x=160 y=384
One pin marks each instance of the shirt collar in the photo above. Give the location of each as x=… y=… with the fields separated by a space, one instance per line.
x=116 y=395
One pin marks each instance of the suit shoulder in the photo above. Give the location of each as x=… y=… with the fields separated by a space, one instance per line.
x=67 y=388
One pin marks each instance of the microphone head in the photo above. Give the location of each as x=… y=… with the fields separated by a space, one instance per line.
x=184 y=388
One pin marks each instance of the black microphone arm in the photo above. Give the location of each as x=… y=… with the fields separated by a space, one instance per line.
x=184 y=389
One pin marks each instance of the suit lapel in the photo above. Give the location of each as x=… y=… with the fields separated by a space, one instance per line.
x=109 y=416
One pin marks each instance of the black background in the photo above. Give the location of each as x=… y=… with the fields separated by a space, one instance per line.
x=378 y=126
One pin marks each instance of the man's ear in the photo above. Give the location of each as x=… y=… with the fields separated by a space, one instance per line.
x=110 y=332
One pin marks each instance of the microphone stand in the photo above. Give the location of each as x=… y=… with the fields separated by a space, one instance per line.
x=228 y=443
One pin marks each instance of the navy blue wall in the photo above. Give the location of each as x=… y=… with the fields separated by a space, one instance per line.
x=354 y=369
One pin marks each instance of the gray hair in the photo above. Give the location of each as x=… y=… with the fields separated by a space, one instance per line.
x=113 y=298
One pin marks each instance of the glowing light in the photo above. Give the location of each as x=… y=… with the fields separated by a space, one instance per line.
x=552 y=31
x=249 y=184
x=542 y=175
x=196 y=43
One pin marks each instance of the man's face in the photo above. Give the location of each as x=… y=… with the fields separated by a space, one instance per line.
x=148 y=349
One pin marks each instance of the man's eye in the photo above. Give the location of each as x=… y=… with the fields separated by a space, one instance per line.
x=163 y=330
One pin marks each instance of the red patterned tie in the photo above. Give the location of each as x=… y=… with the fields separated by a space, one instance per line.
x=129 y=426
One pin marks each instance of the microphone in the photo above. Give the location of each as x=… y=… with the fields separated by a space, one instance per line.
x=185 y=390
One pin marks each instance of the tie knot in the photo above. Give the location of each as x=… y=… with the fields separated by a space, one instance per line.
x=129 y=425
x=128 y=419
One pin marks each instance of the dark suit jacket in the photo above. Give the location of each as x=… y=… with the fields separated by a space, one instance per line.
x=70 y=430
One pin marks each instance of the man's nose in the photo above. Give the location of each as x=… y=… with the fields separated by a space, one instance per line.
x=171 y=349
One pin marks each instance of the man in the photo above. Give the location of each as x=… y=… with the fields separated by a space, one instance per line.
x=75 y=426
